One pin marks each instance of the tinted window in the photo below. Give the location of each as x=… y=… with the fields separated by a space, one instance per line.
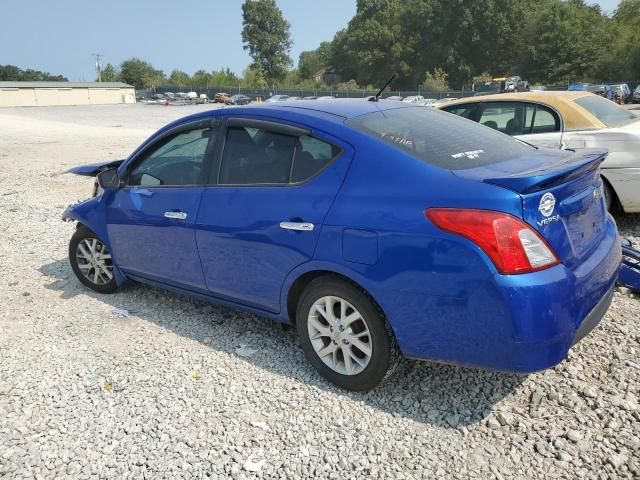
x=311 y=156
x=177 y=161
x=465 y=111
x=509 y=118
x=606 y=111
x=519 y=118
x=544 y=120
x=254 y=156
x=439 y=138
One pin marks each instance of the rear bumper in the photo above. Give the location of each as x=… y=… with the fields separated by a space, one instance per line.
x=518 y=323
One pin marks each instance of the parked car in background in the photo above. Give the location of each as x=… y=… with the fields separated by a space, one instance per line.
x=636 y=95
x=395 y=98
x=238 y=100
x=376 y=228
x=220 y=97
x=326 y=97
x=621 y=92
x=413 y=99
x=573 y=120
x=598 y=89
x=428 y=102
x=277 y=98
x=538 y=88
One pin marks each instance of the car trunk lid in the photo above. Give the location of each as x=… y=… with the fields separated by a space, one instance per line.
x=561 y=195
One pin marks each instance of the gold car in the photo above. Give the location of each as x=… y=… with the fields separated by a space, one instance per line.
x=568 y=120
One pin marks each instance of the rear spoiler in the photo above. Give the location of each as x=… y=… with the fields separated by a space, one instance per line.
x=535 y=180
x=93 y=169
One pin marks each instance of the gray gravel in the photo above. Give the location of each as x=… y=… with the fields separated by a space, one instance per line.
x=176 y=390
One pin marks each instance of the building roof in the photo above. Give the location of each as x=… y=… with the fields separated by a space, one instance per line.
x=64 y=85
x=574 y=116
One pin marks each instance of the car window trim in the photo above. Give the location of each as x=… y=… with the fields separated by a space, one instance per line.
x=274 y=127
x=213 y=123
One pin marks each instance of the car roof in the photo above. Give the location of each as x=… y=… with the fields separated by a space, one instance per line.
x=574 y=116
x=341 y=107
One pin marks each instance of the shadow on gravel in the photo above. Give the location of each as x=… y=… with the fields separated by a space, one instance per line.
x=441 y=395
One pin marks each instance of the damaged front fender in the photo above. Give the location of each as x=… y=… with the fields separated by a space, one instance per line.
x=92 y=214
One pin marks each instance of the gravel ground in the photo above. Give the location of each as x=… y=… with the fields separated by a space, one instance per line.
x=183 y=389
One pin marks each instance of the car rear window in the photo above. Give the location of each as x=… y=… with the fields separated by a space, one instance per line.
x=606 y=111
x=440 y=138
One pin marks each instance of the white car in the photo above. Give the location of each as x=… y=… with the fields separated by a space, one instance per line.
x=573 y=120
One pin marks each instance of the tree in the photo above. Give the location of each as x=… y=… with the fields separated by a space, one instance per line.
x=314 y=62
x=265 y=34
x=201 y=79
x=624 y=64
x=140 y=74
x=436 y=81
x=15 y=74
x=110 y=73
x=564 y=41
x=254 y=77
x=178 y=78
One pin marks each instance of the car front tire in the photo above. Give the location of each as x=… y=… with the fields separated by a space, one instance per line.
x=344 y=334
x=91 y=261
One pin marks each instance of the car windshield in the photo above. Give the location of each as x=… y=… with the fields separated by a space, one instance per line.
x=606 y=111
x=439 y=138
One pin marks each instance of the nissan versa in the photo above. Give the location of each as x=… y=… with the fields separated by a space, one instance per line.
x=379 y=229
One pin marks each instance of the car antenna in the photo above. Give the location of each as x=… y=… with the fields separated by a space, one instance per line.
x=377 y=97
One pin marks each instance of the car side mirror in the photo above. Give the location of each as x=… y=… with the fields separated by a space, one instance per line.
x=109 y=178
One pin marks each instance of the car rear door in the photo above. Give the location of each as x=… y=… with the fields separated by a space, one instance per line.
x=262 y=213
x=150 y=219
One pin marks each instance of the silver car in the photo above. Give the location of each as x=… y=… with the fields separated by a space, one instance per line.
x=573 y=120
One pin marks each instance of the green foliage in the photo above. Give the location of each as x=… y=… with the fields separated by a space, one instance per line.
x=265 y=35
x=11 y=73
x=140 y=74
x=625 y=26
x=254 y=77
x=110 y=73
x=350 y=86
x=178 y=78
x=564 y=41
x=436 y=81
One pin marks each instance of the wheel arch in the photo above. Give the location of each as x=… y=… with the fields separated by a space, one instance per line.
x=299 y=280
x=616 y=205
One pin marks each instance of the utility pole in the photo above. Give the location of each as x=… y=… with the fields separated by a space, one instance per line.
x=98 y=65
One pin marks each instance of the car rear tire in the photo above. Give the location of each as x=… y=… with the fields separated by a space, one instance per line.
x=608 y=196
x=345 y=335
x=91 y=261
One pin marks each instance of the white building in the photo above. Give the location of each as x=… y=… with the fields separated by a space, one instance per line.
x=33 y=94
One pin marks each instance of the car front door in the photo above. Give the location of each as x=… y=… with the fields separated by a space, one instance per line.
x=150 y=219
x=263 y=213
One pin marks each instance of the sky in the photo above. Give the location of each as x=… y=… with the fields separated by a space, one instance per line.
x=60 y=36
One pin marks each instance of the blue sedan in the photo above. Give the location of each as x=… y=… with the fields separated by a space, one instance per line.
x=379 y=229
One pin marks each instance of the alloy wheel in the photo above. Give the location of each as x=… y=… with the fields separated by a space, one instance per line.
x=94 y=261
x=339 y=335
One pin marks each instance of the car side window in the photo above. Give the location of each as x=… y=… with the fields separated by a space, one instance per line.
x=507 y=117
x=465 y=111
x=254 y=156
x=543 y=119
x=177 y=161
x=311 y=156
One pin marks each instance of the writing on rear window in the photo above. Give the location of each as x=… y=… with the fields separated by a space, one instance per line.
x=470 y=154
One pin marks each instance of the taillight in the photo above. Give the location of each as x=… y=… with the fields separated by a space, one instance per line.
x=512 y=245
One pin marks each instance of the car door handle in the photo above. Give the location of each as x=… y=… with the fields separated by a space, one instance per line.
x=299 y=226
x=175 y=215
